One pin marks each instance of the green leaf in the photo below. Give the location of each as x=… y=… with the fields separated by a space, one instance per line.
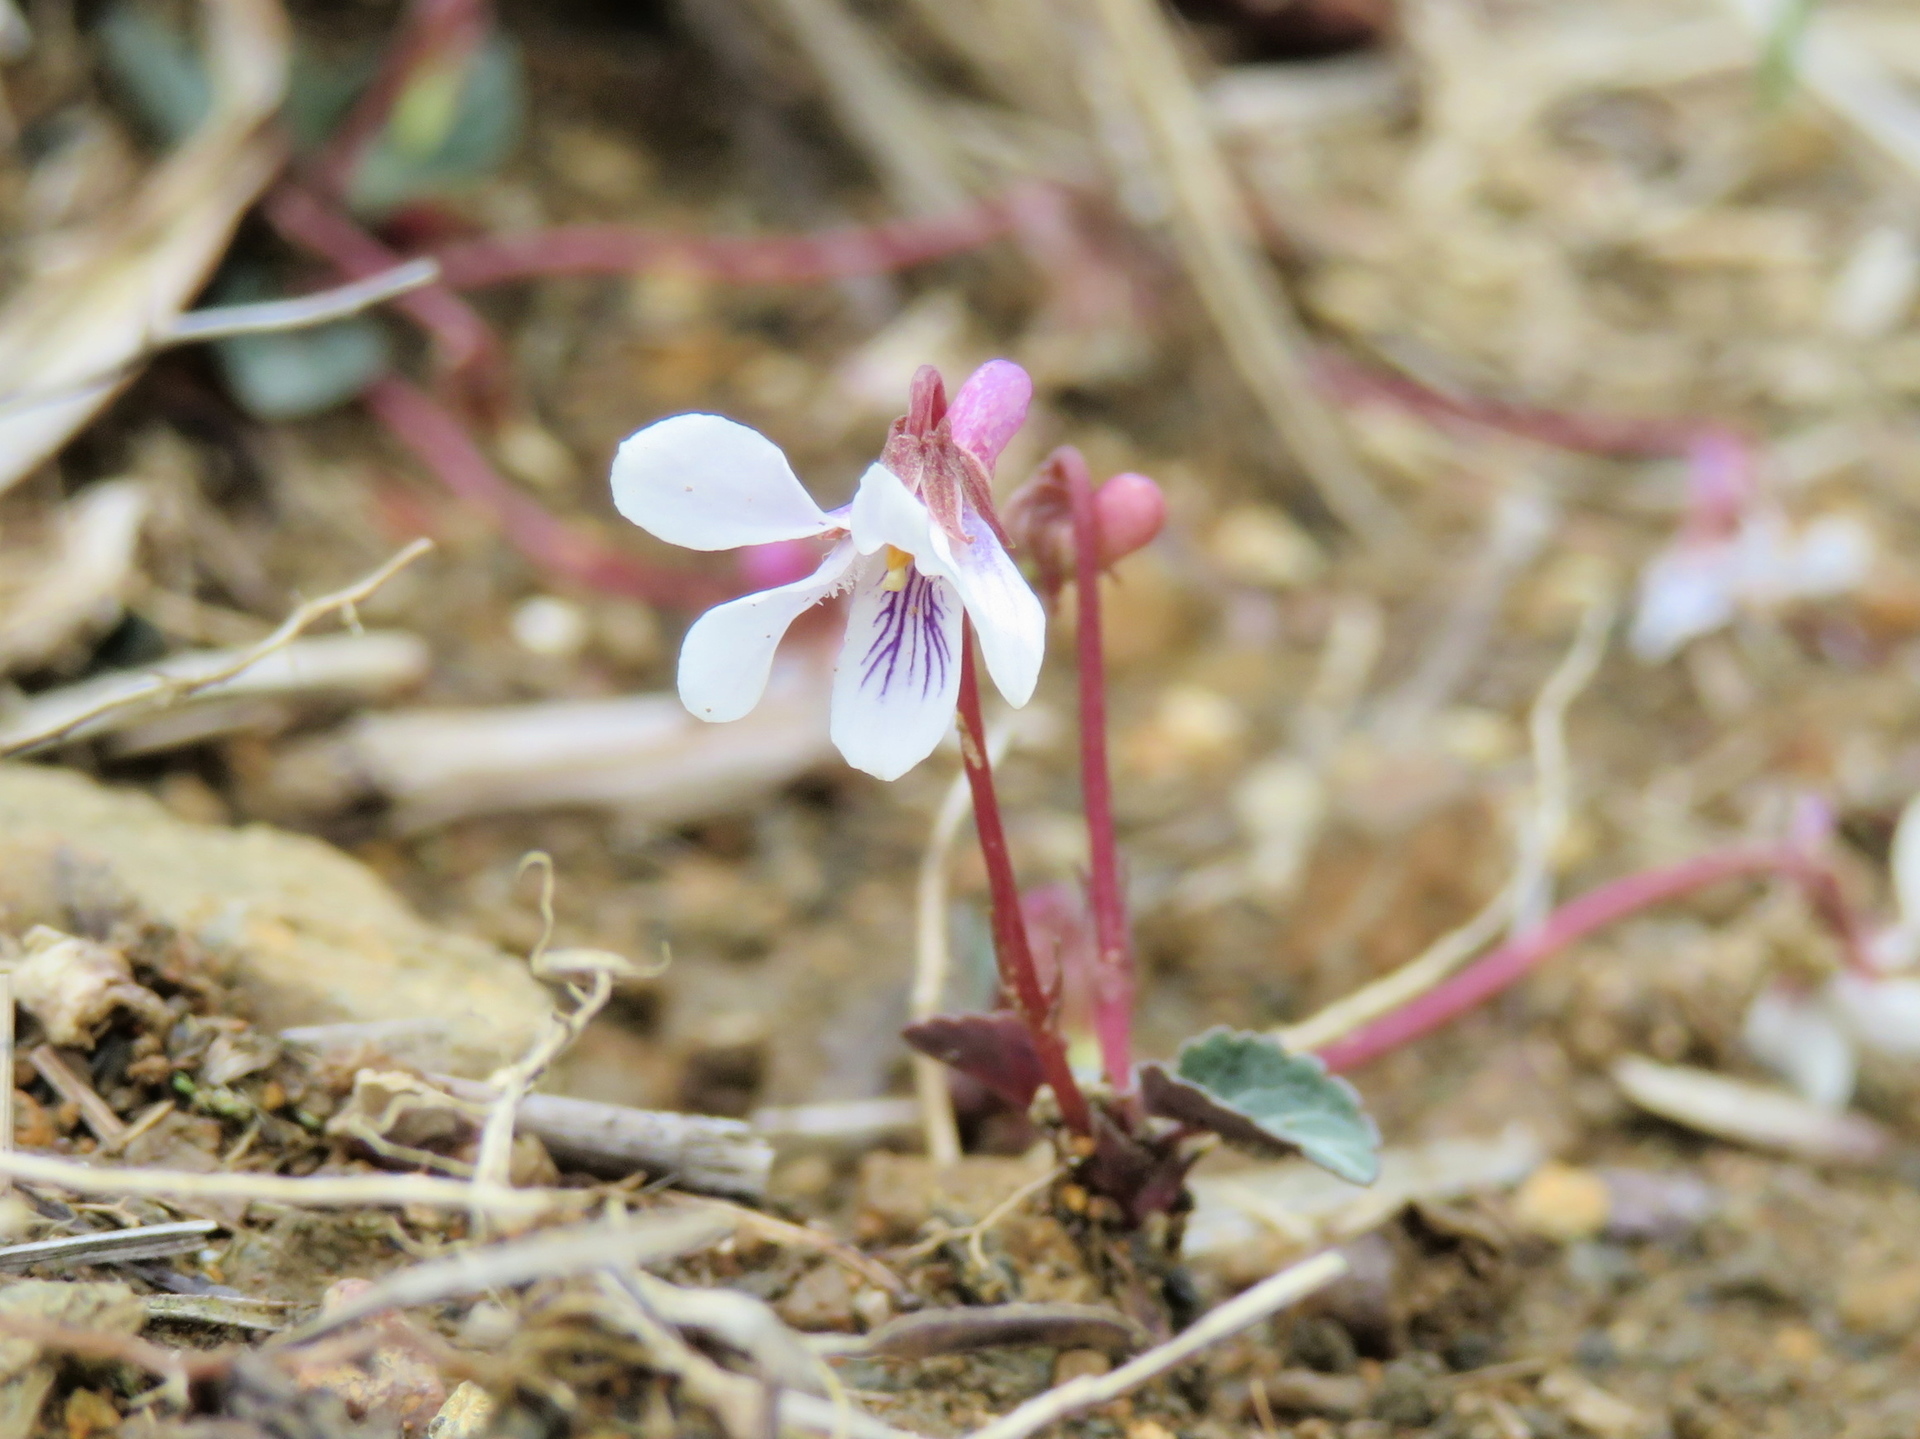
x=156 y=70
x=449 y=133
x=303 y=372
x=1247 y=1089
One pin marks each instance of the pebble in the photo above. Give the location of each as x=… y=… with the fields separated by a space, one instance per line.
x=1079 y=1364
x=1562 y=1203
x=1591 y=1408
x=823 y=1299
x=1881 y=1302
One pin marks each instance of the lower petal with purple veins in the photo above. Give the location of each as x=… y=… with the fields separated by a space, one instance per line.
x=898 y=676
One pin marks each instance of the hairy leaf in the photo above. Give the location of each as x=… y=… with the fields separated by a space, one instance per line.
x=1247 y=1089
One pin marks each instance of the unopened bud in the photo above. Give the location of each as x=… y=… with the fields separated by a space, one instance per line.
x=1129 y=510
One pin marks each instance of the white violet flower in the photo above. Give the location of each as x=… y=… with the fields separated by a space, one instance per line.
x=918 y=545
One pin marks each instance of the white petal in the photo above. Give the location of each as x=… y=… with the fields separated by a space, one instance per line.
x=1685 y=592
x=885 y=513
x=706 y=483
x=726 y=655
x=898 y=677
x=1007 y=614
x=1800 y=1039
x=1884 y=1015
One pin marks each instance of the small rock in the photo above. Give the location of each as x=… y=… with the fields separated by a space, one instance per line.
x=312 y=935
x=1260 y=545
x=393 y=1381
x=89 y=1412
x=467 y=1414
x=72 y=986
x=1883 y=1302
x=823 y=1299
x=898 y=1193
x=1562 y=1203
x=1647 y=1204
x=873 y=1307
x=1079 y=1364
x=1406 y=1396
x=1301 y=1391
x=1591 y=1408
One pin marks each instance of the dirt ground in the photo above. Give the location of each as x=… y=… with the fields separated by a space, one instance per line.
x=1322 y=753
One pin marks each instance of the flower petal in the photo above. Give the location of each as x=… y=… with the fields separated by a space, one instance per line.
x=1007 y=614
x=706 y=483
x=990 y=407
x=898 y=678
x=885 y=513
x=726 y=656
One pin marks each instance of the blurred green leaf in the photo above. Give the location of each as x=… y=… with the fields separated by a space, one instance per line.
x=1247 y=1089
x=297 y=373
x=303 y=372
x=1780 y=62
x=437 y=143
x=156 y=70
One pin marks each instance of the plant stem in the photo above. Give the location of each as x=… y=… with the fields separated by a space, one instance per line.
x=741 y=259
x=432 y=31
x=1018 y=973
x=440 y=442
x=1113 y=965
x=465 y=347
x=1594 y=910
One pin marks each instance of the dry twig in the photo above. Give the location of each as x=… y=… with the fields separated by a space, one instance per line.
x=319 y=1191
x=154 y=691
x=1243 y=1311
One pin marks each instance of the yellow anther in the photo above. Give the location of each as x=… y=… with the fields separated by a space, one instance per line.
x=898 y=563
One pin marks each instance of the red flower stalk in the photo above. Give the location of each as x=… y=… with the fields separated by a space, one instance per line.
x=749 y=259
x=1019 y=975
x=1511 y=962
x=439 y=441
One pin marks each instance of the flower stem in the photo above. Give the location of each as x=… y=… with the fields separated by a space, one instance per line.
x=1594 y=910
x=1114 y=976
x=437 y=439
x=1018 y=973
x=754 y=259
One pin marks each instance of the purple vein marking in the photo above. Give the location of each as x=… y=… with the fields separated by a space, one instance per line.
x=911 y=643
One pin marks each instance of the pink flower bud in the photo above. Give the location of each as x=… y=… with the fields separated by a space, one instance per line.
x=1130 y=511
x=989 y=408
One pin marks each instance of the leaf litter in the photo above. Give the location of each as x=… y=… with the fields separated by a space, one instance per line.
x=1595 y=303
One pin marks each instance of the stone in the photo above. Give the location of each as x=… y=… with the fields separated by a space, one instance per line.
x=822 y=1299
x=310 y=935
x=1562 y=1203
x=1591 y=1409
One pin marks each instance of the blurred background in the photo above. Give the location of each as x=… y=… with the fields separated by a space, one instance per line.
x=1531 y=382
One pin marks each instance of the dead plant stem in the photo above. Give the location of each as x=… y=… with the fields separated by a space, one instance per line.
x=161 y=690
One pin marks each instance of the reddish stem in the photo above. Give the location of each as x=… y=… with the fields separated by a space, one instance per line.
x=1513 y=961
x=758 y=259
x=1592 y=434
x=464 y=344
x=433 y=29
x=1018 y=973
x=1114 y=977
x=439 y=441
